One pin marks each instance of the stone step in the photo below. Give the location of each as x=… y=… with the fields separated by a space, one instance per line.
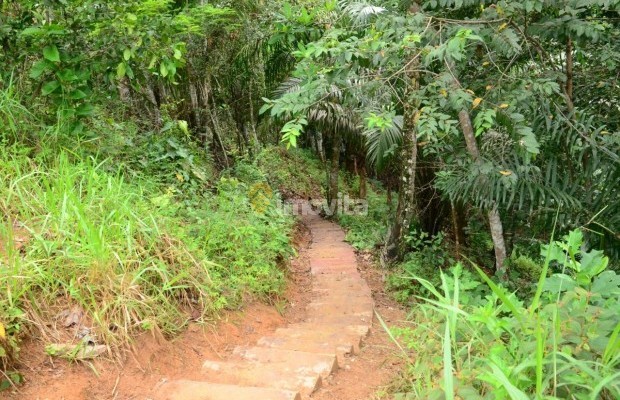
x=314 y=345
x=330 y=244
x=361 y=330
x=348 y=279
x=281 y=375
x=327 y=295
x=332 y=271
x=349 y=319
x=197 y=390
x=330 y=255
x=359 y=307
x=323 y=364
x=330 y=285
x=322 y=334
x=335 y=264
x=337 y=287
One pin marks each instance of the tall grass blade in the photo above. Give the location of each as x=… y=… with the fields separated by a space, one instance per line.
x=448 y=376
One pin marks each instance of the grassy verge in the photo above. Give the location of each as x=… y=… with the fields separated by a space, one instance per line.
x=87 y=240
x=482 y=342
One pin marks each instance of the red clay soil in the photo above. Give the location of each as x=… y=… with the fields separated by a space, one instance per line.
x=155 y=359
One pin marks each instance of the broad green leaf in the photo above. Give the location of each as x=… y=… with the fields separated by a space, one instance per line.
x=607 y=284
x=121 y=70
x=51 y=53
x=38 y=69
x=559 y=282
x=32 y=31
x=77 y=95
x=84 y=110
x=50 y=87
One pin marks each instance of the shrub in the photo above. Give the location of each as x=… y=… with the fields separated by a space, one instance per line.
x=429 y=255
x=364 y=232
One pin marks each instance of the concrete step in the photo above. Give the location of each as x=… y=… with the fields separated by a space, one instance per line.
x=349 y=319
x=358 y=307
x=280 y=375
x=308 y=345
x=195 y=390
x=340 y=288
x=323 y=364
x=322 y=280
x=362 y=330
x=334 y=267
x=323 y=333
x=326 y=295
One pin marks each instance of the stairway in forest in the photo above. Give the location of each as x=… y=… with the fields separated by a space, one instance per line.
x=291 y=363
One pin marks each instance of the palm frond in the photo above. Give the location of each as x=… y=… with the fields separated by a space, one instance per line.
x=382 y=145
x=360 y=12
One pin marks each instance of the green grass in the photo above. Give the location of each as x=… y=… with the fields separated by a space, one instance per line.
x=132 y=253
x=294 y=172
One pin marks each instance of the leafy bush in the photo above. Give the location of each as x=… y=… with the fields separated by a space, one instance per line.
x=428 y=257
x=564 y=344
x=364 y=232
x=523 y=272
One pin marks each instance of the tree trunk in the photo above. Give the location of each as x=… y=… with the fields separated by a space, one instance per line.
x=217 y=139
x=495 y=222
x=363 y=181
x=332 y=193
x=150 y=95
x=458 y=224
x=319 y=146
x=256 y=144
x=124 y=90
x=497 y=233
x=395 y=245
x=193 y=96
x=569 y=74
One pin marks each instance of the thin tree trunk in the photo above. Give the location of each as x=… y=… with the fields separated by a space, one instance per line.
x=124 y=90
x=333 y=173
x=405 y=210
x=363 y=181
x=256 y=144
x=569 y=74
x=150 y=95
x=193 y=96
x=319 y=146
x=497 y=233
x=495 y=222
x=458 y=224
x=216 y=135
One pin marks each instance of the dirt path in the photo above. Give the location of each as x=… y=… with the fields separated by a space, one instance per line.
x=296 y=346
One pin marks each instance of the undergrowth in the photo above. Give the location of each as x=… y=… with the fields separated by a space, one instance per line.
x=482 y=342
x=135 y=231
